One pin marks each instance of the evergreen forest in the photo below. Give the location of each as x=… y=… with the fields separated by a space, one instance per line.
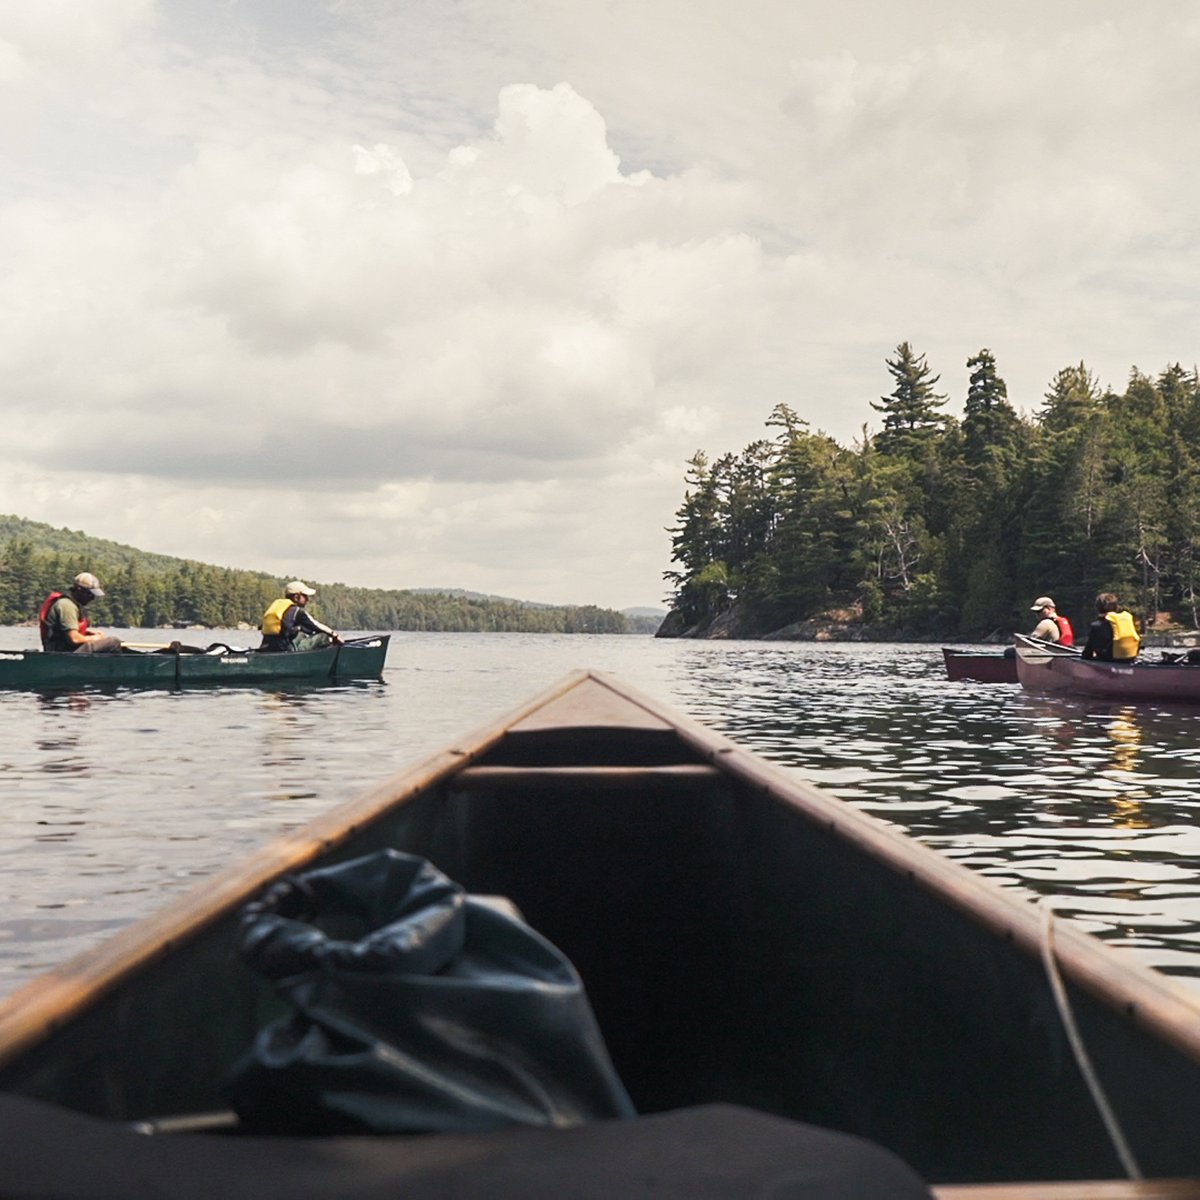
x=148 y=591
x=941 y=526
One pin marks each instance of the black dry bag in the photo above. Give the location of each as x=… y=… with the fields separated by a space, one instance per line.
x=414 y=1008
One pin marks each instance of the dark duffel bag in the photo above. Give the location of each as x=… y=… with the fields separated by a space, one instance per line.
x=414 y=1008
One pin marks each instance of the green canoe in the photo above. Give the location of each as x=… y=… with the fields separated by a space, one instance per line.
x=180 y=666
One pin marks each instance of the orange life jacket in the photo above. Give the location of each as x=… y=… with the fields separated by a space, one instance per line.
x=1065 y=636
x=44 y=612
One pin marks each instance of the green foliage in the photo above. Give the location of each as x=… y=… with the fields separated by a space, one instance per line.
x=910 y=417
x=990 y=423
x=151 y=590
x=704 y=594
x=936 y=526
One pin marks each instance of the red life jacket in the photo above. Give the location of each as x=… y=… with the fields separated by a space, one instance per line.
x=1065 y=636
x=43 y=612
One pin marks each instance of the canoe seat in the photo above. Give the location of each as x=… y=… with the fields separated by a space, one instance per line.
x=706 y=1153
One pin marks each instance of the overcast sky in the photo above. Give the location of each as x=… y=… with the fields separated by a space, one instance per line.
x=416 y=293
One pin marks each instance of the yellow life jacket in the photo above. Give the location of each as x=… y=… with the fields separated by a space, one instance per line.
x=1125 y=635
x=272 y=622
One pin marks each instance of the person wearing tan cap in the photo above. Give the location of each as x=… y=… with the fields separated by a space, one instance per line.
x=286 y=625
x=1051 y=627
x=64 y=628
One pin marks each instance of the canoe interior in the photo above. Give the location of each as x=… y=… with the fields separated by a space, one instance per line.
x=740 y=941
x=980 y=666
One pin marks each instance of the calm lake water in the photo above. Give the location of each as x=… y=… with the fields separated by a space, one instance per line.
x=112 y=802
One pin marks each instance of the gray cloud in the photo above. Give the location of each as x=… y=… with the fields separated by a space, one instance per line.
x=495 y=270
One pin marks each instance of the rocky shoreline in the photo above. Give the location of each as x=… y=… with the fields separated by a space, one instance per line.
x=847 y=625
x=838 y=625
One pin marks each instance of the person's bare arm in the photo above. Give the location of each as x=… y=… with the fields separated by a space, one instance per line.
x=77 y=639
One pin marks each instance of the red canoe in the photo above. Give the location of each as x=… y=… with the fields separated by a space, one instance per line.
x=982 y=666
x=1043 y=667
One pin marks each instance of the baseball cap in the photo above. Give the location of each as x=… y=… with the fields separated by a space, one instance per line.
x=296 y=588
x=1042 y=602
x=87 y=582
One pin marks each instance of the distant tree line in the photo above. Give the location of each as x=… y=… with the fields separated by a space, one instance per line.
x=942 y=525
x=148 y=591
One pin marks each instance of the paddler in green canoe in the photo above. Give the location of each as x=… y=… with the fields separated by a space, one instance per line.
x=286 y=625
x=64 y=628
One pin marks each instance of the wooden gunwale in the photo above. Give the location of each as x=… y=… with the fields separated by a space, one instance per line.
x=1156 y=1001
x=52 y=999
x=1086 y=1189
x=1160 y=1004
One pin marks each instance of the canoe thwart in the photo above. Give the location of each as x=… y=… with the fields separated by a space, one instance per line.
x=486 y=778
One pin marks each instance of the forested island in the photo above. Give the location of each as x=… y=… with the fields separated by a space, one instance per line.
x=148 y=591
x=942 y=527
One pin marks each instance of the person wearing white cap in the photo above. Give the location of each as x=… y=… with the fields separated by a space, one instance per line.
x=287 y=626
x=64 y=628
x=1051 y=627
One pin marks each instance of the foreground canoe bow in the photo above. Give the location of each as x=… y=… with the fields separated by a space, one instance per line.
x=1045 y=667
x=185 y=666
x=744 y=939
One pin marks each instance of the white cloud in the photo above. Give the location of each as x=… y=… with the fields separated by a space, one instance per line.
x=66 y=35
x=383 y=160
x=490 y=274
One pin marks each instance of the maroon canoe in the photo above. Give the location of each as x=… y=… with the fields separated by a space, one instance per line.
x=982 y=666
x=1043 y=667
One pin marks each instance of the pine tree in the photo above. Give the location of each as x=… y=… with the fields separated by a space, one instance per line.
x=697 y=542
x=1062 y=547
x=985 y=494
x=989 y=422
x=910 y=412
x=804 y=568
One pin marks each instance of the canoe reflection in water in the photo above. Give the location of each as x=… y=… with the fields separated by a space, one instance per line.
x=1126 y=737
x=772 y=971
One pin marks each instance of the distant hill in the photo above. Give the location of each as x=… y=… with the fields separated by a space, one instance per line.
x=145 y=590
x=466 y=594
x=641 y=620
x=82 y=545
x=644 y=620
